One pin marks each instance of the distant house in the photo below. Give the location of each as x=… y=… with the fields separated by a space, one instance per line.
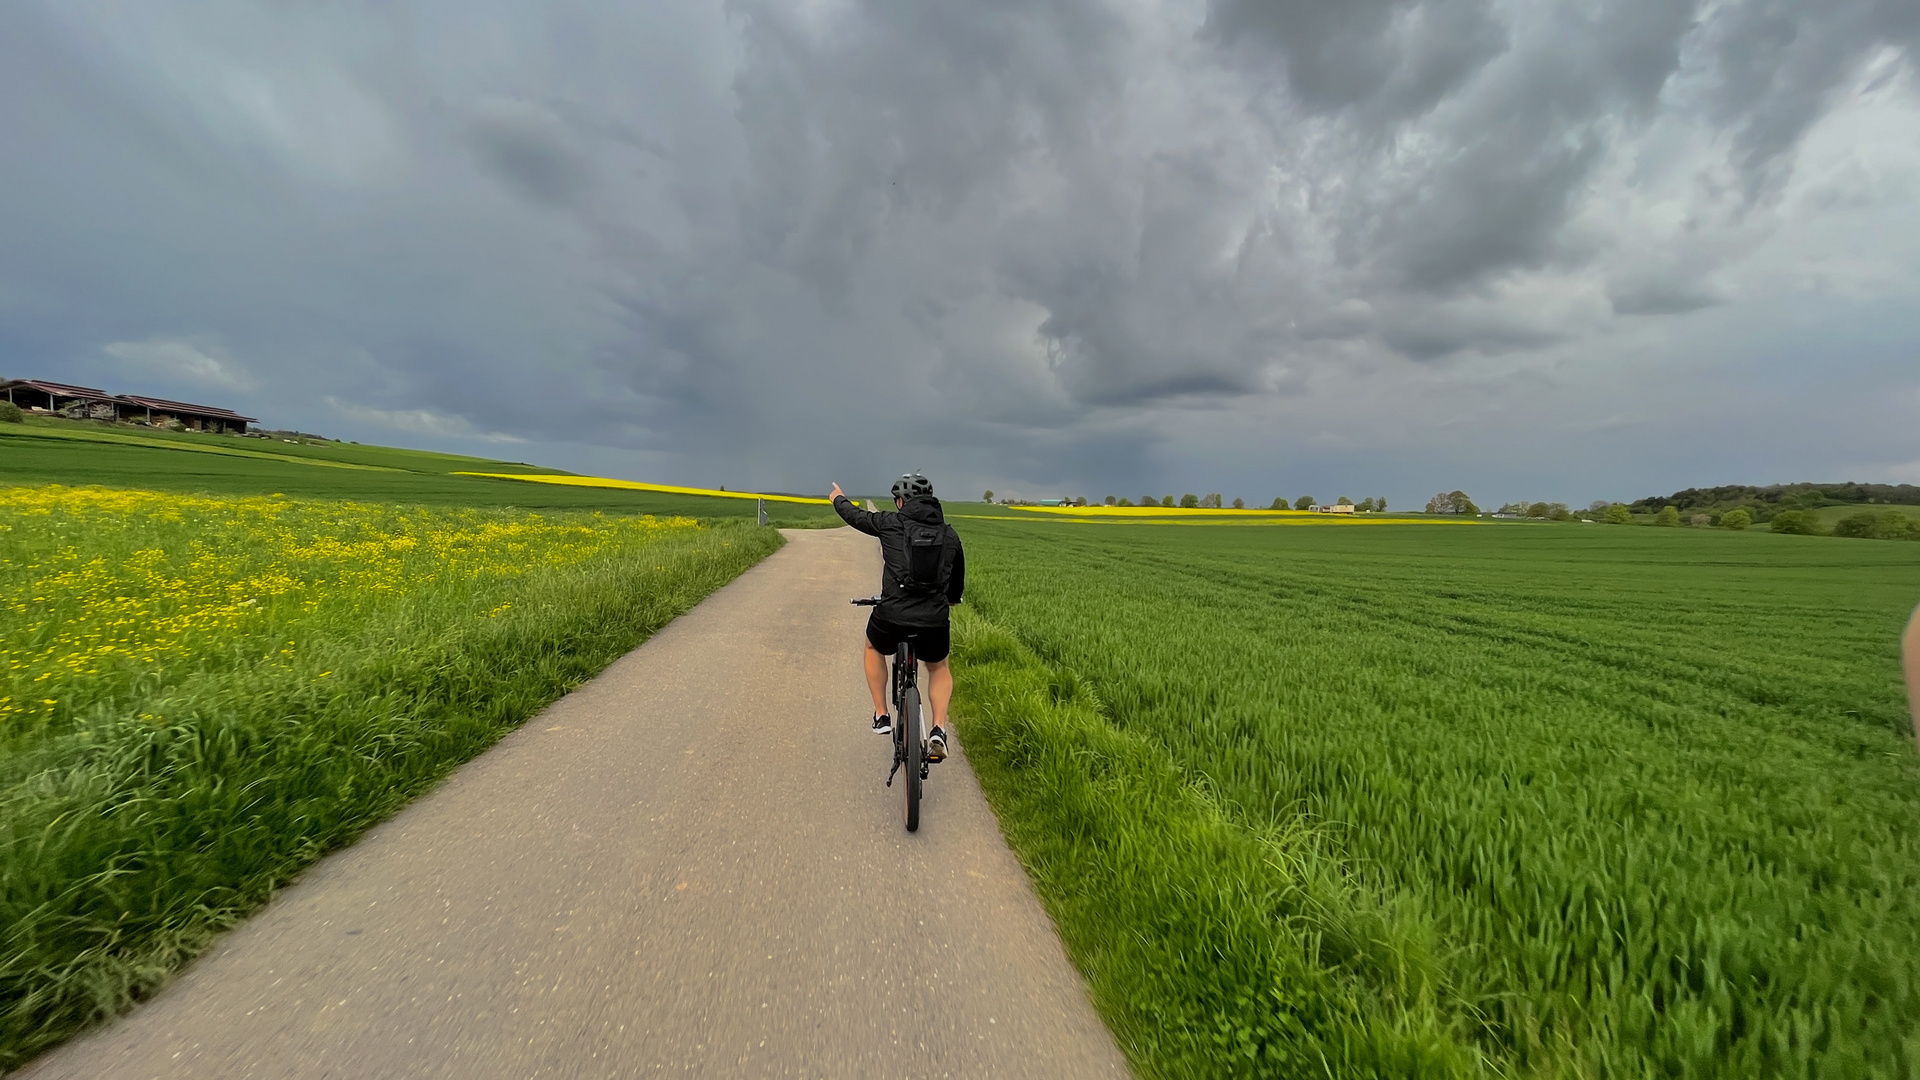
x=87 y=403
x=1053 y=502
x=1337 y=508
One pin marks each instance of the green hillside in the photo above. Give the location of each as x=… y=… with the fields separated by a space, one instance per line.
x=46 y=451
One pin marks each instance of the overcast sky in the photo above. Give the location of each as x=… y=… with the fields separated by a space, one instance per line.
x=1551 y=250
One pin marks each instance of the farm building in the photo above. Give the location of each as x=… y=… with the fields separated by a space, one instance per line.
x=87 y=403
x=79 y=402
x=193 y=417
x=1338 y=508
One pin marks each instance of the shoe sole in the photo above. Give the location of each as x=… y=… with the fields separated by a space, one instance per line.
x=936 y=750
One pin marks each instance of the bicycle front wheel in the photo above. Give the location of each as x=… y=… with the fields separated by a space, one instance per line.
x=913 y=731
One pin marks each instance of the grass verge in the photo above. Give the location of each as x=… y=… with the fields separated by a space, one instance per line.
x=205 y=695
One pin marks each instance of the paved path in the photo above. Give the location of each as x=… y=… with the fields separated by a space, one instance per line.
x=688 y=866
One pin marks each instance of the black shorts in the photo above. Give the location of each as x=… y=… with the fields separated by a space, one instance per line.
x=930 y=643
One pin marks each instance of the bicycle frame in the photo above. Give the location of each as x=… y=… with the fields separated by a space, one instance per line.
x=908 y=724
x=905 y=674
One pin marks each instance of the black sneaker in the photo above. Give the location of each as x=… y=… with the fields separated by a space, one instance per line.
x=937 y=744
x=883 y=725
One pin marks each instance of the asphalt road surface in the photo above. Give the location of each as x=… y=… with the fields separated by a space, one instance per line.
x=688 y=866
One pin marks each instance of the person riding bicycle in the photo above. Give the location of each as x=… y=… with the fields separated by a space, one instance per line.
x=925 y=574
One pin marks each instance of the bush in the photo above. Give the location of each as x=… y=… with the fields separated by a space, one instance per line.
x=1736 y=519
x=1618 y=514
x=1796 y=522
x=1304 y=502
x=11 y=414
x=1885 y=525
x=1668 y=517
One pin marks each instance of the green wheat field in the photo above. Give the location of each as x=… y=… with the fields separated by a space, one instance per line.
x=1514 y=800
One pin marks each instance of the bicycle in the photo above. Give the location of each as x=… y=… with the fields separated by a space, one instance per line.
x=909 y=726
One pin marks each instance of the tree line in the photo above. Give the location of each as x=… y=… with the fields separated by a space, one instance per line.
x=1211 y=501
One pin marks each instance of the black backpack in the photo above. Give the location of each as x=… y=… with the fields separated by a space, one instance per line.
x=929 y=560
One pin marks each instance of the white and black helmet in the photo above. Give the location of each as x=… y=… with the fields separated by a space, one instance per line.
x=910 y=485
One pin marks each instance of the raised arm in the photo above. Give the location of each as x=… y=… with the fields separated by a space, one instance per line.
x=851 y=514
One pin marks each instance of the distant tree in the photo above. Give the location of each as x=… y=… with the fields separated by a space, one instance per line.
x=1380 y=504
x=1109 y=500
x=1440 y=504
x=1736 y=519
x=1462 y=504
x=1304 y=502
x=1190 y=501
x=1080 y=501
x=1343 y=501
x=988 y=497
x=1668 y=517
x=1212 y=500
x=1239 y=504
x=11 y=414
x=1124 y=501
x=1618 y=514
x=1797 y=522
x=1559 y=512
x=1366 y=506
x=1881 y=525
x=1537 y=510
x=1166 y=500
x=1149 y=500
x=1279 y=503
x=1599 y=506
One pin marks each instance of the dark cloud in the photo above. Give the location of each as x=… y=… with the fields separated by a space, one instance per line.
x=525 y=148
x=1035 y=242
x=1401 y=55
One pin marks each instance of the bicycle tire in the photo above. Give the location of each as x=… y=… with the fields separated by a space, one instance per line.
x=915 y=738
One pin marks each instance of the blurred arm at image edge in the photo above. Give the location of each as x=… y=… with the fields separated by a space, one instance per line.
x=1910 y=652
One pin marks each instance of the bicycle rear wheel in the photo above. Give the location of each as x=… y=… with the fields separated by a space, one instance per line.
x=913 y=731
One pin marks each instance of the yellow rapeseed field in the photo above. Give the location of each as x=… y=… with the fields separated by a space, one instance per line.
x=200 y=695
x=106 y=582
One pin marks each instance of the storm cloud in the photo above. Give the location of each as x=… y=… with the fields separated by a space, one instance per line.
x=1553 y=250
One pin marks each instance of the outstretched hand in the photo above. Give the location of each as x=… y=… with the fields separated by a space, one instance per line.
x=837 y=493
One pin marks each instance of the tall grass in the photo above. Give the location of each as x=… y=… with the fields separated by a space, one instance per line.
x=203 y=695
x=1528 y=801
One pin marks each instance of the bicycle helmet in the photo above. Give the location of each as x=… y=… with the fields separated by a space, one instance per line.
x=910 y=485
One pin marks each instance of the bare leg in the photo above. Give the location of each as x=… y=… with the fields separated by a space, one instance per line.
x=939 y=691
x=876 y=678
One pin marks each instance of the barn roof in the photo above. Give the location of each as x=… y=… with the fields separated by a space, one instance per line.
x=61 y=389
x=182 y=408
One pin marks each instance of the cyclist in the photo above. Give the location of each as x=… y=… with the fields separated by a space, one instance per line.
x=925 y=573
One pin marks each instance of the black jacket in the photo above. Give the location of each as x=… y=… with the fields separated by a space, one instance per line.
x=896 y=605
